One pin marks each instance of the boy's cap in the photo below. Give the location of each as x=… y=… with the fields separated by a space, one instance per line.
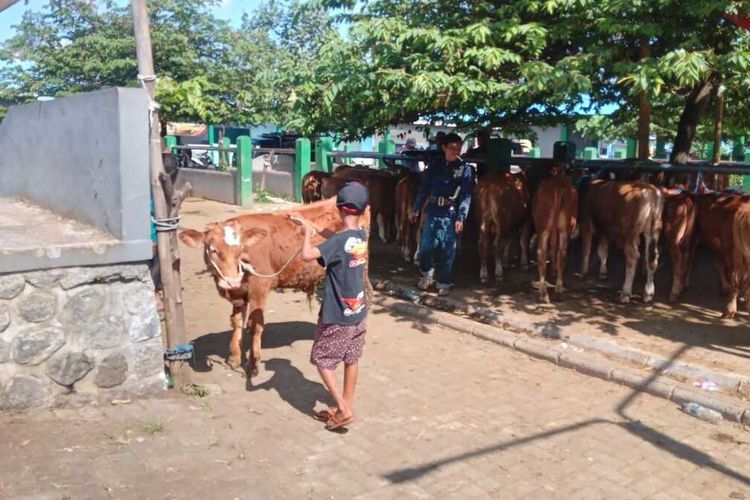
x=353 y=195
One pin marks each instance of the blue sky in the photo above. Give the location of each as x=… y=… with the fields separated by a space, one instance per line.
x=229 y=9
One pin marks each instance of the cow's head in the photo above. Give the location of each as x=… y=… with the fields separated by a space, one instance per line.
x=226 y=247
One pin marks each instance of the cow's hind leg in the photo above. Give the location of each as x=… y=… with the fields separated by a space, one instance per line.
x=525 y=239
x=484 y=251
x=561 y=258
x=541 y=257
x=631 y=263
x=651 y=248
x=602 y=250
x=587 y=237
x=237 y=320
x=679 y=259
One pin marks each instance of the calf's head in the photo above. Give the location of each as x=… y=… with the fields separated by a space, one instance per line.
x=226 y=246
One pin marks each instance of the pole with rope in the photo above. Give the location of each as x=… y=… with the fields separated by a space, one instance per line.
x=166 y=201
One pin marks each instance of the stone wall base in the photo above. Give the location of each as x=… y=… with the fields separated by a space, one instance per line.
x=77 y=336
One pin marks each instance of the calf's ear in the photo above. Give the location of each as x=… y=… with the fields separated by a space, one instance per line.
x=252 y=237
x=191 y=237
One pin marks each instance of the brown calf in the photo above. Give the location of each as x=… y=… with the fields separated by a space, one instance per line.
x=382 y=188
x=312 y=185
x=715 y=219
x=679 y=223
x=555 y=212
x=623 y=211
x=503 y=210
x=741 y=260
x=251 y=255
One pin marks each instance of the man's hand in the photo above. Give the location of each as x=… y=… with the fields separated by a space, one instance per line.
x=459 y=226
x=413 y=217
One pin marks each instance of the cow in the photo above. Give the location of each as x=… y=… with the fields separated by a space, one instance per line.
x=312 y=184
x=679 y=227
x=382 y=188
x=740 y=259
x=503 y=210
x=623 y=212
x=715 y=220
x=251 y=255
x=555 y=211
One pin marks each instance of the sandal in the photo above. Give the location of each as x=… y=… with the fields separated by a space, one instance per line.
x=324 y=415
x=334 y=422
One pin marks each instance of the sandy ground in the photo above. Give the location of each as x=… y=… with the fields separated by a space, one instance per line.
x=440 y=414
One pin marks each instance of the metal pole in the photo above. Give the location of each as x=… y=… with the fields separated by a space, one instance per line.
x=169 y=257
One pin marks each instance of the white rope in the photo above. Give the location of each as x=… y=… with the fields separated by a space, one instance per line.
x=246 y=266
x=168 y=224
x=153 y=106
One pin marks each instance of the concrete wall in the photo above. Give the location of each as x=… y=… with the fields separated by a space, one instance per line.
x=221 y=186
x=83 y=157
x=82 y=335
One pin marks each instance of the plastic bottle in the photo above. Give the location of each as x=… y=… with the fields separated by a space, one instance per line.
x=703 y=413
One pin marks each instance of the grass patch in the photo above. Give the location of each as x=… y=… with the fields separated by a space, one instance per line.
x=153 y=427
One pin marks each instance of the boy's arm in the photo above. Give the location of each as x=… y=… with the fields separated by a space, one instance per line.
x=308 y=253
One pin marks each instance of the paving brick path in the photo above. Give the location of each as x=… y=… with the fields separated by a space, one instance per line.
x=440 y=415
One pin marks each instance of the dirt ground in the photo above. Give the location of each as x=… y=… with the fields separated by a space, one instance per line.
x=440 y=414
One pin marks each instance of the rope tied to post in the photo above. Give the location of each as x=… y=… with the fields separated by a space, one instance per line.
x=153 y=106
x=166 y=224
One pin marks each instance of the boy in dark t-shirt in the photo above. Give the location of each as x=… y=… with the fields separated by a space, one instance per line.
x=340 y=333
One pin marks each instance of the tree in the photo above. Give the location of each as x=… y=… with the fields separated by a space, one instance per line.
x=75 y=46
x=475 y=64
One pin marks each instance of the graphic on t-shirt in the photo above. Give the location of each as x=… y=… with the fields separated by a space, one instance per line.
x=357 y=248
x=355 y=305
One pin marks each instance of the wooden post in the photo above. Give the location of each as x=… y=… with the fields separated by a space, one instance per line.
x=244 y=171
x=169 y=257
x=301 y=165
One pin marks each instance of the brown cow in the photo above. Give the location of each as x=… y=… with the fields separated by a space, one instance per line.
x=503 y=209
x=555 y=212
x=312 y=184
x=623 y=211
x=741 y=259
x=251 y=255
x=679 y=222
x=382 y=188
x=715 y=219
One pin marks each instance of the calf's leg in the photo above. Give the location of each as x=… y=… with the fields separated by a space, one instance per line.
x=587 y=237
x=237 y=320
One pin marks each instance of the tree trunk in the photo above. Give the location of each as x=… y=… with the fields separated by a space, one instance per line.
x=721 y=181
x=644 y=109
x=695 y=106
x=718 y=125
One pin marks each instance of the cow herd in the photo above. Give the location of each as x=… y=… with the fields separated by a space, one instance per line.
x=553 y=206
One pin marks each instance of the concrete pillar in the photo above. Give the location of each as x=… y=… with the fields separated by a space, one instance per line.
x=301 y=165
x=322 y=160
x=244 y=171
